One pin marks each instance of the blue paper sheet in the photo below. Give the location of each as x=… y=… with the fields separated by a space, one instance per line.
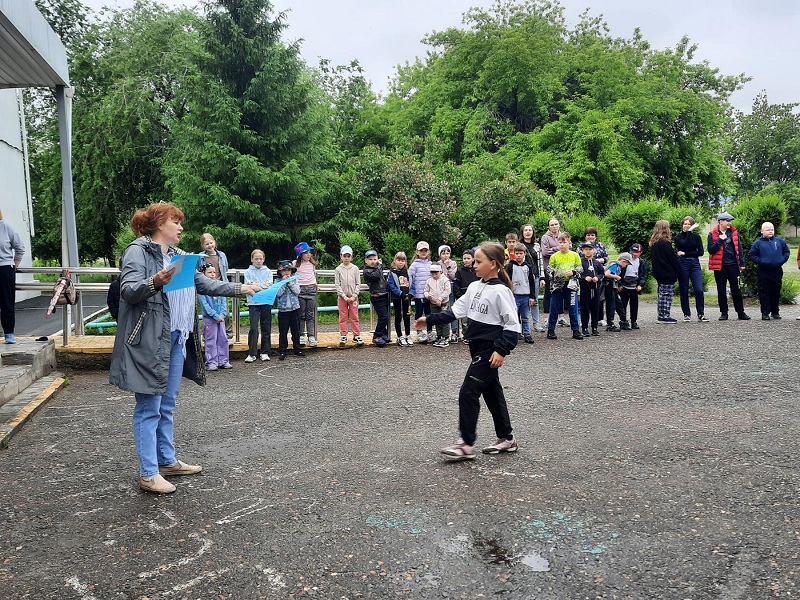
x=268 y=295
x=185 y=266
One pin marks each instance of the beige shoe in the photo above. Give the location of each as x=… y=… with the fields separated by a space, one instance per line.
x=156 y=485
x=180 y=468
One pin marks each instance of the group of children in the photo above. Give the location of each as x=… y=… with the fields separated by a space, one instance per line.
x=591 y=289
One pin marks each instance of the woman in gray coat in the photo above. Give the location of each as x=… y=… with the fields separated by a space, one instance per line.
x=156 y=343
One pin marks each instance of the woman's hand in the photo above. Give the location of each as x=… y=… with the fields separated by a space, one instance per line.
x=163 y=277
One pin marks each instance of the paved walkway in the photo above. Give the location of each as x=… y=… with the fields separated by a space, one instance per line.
x=659 y=463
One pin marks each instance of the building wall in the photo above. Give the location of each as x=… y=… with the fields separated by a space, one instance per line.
x=14 y=200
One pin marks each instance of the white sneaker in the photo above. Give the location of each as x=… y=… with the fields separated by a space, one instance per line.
x=600 y=323
x=302 y=340
x=409 y=341
x=422 y=337
x=401 y=341
x=312 y=341
x=250 y=359
x=343 y=340
x=264 y=357
x=432 y=337
x=357 y=339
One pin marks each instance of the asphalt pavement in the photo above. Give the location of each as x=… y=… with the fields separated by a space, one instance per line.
x=659 y=463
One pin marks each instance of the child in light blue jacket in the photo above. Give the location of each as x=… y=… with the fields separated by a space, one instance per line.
x=215 y=309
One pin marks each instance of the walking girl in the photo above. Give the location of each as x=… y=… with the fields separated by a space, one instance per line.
x=492 y=331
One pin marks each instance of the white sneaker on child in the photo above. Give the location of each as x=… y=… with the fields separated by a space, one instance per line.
x=250 y=359
x=264 y=357
x=409 y=341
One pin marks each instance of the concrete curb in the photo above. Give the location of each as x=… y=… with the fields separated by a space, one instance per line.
x=18 y=411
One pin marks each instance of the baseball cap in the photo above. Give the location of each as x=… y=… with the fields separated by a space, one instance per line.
x=586 y=245
x=625 y=256
x=423 y=246
x=369 y=253
x=636 y=249
x=725 y=215
x=346 y=250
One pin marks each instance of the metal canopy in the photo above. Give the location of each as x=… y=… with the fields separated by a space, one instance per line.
x=31 y=54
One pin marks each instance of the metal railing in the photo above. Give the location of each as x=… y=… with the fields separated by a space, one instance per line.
x=75 y=317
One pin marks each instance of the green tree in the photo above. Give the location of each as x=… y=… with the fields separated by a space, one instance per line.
x=766 y=145
x=249 y=157
x=129 y=72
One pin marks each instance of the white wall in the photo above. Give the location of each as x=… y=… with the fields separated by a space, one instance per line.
x=14 y=201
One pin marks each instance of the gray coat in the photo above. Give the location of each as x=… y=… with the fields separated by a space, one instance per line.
x=140 y=361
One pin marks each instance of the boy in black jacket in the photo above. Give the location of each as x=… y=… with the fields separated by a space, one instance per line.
x=378 y=295
x=591 y=278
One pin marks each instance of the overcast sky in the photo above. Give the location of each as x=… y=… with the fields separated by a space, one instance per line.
x=760 y=38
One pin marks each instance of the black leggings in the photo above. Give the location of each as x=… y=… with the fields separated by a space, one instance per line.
x=402 y=311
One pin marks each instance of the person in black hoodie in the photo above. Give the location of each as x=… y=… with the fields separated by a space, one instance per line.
x=689 y=246
x=666 y=269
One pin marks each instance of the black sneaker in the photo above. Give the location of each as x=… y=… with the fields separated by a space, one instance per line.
x=595 y=332
x=702 y=319
x=624 y=326
x=529 y=339
x=281 y=355
x=551 y=334
x=613 y=328
x=635 y=325
x=585 y=332
x=744 y=317
x=576 y=335
x=723 y=317
x=776 y=316
x=765 y=317
x=299 y=353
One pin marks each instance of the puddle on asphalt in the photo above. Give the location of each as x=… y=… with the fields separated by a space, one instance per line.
x=494 y=552
x=536 y=562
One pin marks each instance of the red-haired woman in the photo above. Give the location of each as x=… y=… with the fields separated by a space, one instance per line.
x=156 y=342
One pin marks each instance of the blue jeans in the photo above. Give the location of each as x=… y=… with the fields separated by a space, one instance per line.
x=690 y=270
x=524 y=312
x=153 y=418
x=557 y=299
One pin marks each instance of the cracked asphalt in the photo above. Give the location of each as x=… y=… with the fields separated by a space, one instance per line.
x=661 y=463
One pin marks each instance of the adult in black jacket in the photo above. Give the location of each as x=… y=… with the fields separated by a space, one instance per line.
x=666 y=269
x=689 y=246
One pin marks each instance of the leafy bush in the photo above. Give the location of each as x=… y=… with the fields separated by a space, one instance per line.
x=630 y=222
x=492 y=205
x=357 y=241
x=397 y=241
x=577 y=224
x=789 y=290
x=675 y=214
